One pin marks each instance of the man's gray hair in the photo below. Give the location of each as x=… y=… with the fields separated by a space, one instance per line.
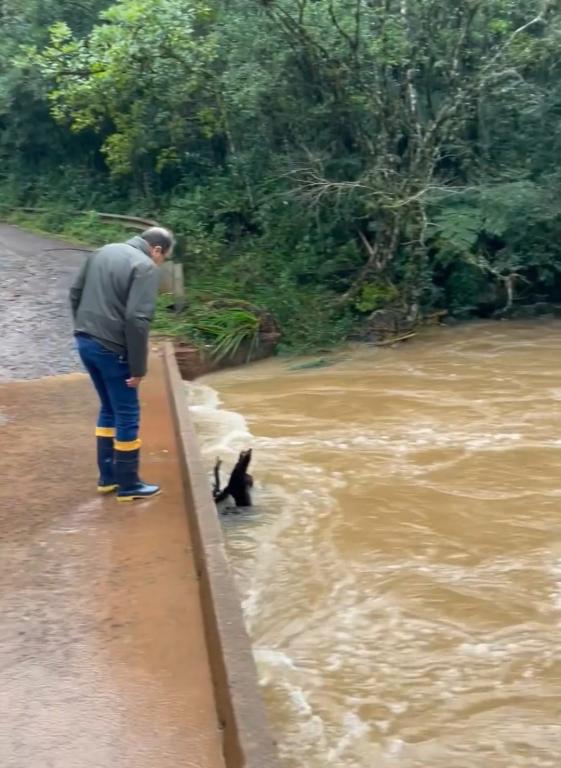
x=158 y=236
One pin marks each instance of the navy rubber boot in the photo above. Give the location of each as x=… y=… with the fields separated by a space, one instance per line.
x=107 y=482
x=131 y=486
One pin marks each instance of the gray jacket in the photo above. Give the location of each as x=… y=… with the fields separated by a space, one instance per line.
x=114 y=298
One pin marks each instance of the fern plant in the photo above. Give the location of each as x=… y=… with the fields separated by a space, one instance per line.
x=224 y=328
x=229 y=329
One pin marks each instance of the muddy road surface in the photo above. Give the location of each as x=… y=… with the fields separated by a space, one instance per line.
x=35 y=319
x=102 y=651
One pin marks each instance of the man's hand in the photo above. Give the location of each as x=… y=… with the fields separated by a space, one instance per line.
x=134 y=382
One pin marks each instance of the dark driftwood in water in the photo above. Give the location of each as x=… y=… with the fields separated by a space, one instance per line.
x=396 y=340
x=239 y=484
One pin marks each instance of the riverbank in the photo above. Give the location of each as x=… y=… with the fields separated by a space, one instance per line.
x=217 y=331
x=195 y=363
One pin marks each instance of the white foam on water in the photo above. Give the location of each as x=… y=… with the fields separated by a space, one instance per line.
x=410 y=439
x=220 y=430
x=273 y=659
x=201 y=396
x=355 y=729
x=224 y=432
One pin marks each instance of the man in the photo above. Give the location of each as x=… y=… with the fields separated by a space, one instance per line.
x=113 y=301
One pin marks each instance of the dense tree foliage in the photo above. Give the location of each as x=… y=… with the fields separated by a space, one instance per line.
x=325 y=158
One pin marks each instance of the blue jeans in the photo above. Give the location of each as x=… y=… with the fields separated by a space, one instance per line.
x=119 y=415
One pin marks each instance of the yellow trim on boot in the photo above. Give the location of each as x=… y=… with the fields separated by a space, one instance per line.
x=106 y=489
x=130 y=445
x=105 y=432
x=138 y=498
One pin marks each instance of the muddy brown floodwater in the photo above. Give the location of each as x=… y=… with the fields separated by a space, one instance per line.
x=401 y=571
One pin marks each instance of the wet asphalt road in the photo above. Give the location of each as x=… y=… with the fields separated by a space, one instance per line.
x=103 y=656
x=35 y=319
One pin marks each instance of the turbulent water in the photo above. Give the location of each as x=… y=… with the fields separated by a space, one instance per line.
x=401 y=571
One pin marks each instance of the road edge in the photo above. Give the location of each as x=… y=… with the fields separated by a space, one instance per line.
x=247 y=740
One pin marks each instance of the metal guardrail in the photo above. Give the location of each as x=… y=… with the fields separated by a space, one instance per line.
x=135 y=222
x=132 y=221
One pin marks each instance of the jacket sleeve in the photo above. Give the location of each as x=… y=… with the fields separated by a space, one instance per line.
x=78 y=287
x=141 y=305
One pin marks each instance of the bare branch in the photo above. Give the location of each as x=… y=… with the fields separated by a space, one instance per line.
x=431 y=188
x=345 y=35
x=462 y=37
x=358 y=20
x=548 y=4
x=413 y=100
x=488 y=73
x=301 y=11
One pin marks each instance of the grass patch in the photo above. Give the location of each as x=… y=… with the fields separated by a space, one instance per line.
x=224 y=329
x=82 y=229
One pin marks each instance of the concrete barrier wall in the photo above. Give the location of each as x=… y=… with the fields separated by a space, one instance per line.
x=241 y=712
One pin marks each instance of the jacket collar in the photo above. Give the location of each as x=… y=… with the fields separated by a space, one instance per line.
x=140 y=244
